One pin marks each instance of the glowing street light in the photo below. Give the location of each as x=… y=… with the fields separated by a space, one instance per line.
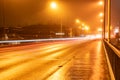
x=116 y=30
x=87 y=28
x=83 y=24
x=53 y=5
x=77 y=21
x=101 y=14
x=99 y=29
x=101 y=3
x=101 y=20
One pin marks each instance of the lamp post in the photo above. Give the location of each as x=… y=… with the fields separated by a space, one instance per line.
x=77 y=21
x=53 y=5
x=5 y=37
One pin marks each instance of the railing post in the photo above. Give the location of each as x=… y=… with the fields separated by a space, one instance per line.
x=109 y=19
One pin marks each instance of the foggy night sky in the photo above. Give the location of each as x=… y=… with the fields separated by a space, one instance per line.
x=28 y=12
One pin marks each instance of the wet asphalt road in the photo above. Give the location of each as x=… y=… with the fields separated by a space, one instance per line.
x=61 y=60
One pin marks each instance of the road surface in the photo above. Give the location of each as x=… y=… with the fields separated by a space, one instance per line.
x=60 y=60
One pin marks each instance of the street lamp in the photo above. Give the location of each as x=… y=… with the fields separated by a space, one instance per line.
x=101 y=20
x=77 y=21
x=101 y=14
x=101 y=3
x=87 y=28
x=53 y=5
x=5 y=36
x=99 y=29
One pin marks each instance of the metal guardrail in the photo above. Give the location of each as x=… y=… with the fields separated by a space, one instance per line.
x=40 y=40
x=7 y=43
x=33 y=40
x=114 y=59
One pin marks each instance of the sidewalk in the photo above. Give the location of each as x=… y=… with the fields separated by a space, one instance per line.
x=89 y=64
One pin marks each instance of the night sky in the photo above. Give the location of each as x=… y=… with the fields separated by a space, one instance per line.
x=29 y=12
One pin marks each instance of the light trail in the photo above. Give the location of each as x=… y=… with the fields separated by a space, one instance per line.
x=42 y=40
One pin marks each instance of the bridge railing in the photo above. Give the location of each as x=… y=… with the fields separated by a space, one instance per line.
x=113 y=55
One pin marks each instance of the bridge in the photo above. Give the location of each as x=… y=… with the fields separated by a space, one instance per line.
x=57 y=48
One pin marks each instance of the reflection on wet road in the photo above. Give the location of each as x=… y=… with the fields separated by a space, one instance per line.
x=66 y=60
x=89 y=63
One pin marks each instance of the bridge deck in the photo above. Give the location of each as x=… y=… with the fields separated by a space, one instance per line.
x=89 y=64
